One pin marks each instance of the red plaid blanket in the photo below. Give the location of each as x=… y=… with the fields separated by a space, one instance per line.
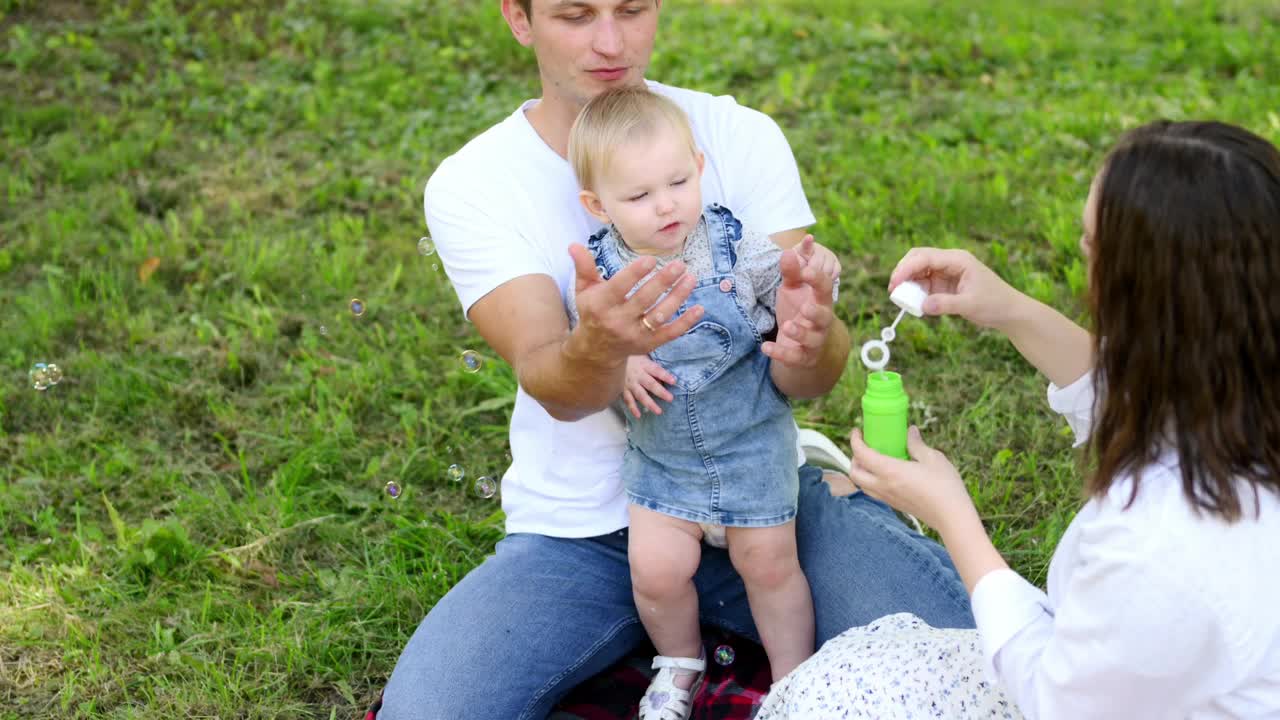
x=733 y=691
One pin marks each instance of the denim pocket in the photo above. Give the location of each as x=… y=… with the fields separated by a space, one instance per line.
x=698 y=356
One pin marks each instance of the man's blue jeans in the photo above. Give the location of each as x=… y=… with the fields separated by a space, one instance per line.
x=544 y=614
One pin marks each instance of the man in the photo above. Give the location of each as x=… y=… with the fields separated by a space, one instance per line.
x=553 y=606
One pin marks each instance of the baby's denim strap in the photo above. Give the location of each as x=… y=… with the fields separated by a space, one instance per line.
x=605 y=251
x=723 y=233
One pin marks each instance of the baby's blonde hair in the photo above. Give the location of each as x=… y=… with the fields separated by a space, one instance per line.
x=615 y=117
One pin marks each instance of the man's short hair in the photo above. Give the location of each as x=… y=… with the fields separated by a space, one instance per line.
x=615 y=117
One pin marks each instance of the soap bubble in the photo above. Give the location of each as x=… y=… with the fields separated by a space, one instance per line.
x=55 y=373
x=486 y=487
x=393 y=490
x=456 y=473
x=927 y=410
x=357 y=307
x=435 y=266
x=471 y=361
x=38 y=376
x=725 y=655
x=425 y=246
x=324 y=331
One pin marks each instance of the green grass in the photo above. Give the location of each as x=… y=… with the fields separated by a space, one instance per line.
x=193 y=522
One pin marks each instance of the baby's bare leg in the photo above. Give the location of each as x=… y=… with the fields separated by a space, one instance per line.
x=664 y=554
x=777 y=592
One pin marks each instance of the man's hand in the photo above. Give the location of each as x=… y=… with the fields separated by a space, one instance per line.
x=645 y=378
x=803 y=308
x=612 y=326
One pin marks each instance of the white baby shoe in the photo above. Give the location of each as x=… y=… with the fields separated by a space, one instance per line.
x=663 y=700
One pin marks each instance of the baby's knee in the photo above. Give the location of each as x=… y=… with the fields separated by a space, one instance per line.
x=657 y=575
x=766 y=565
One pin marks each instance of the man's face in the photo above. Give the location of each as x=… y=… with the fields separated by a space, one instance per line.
x=587 y=46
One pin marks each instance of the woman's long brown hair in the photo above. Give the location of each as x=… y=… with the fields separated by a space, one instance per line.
x=1185 y=295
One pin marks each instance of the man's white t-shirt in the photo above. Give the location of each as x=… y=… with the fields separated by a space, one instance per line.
x=506 y=205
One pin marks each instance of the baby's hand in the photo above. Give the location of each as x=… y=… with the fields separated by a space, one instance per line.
x=821 y=259
x=645 y=378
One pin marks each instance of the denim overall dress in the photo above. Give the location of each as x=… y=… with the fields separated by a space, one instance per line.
x=723 y=451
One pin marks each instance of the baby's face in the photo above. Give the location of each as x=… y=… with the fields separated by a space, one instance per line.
x=653 y=192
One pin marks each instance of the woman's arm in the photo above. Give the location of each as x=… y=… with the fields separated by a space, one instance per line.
x=1057 y=347
x=1130 y=637
x=958 y=284
x=1133 y=636
x=929 y=487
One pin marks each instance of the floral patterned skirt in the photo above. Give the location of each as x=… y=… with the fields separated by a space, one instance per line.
x=896 y=667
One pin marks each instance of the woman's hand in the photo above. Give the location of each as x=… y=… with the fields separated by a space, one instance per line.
x=958 y=284
x=928 y=486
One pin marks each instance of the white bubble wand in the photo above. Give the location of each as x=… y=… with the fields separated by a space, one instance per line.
x=908 y=296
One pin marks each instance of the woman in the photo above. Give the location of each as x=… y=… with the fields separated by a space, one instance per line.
x=1162 y=594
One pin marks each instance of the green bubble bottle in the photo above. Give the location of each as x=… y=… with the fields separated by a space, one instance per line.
x=884 y=414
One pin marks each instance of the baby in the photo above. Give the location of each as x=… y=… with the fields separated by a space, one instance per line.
x=721 y=457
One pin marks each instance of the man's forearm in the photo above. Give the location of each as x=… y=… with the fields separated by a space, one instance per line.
x=804 y=383
x=569 y=382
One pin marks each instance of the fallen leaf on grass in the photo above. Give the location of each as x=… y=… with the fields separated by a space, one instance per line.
x=148 y=268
